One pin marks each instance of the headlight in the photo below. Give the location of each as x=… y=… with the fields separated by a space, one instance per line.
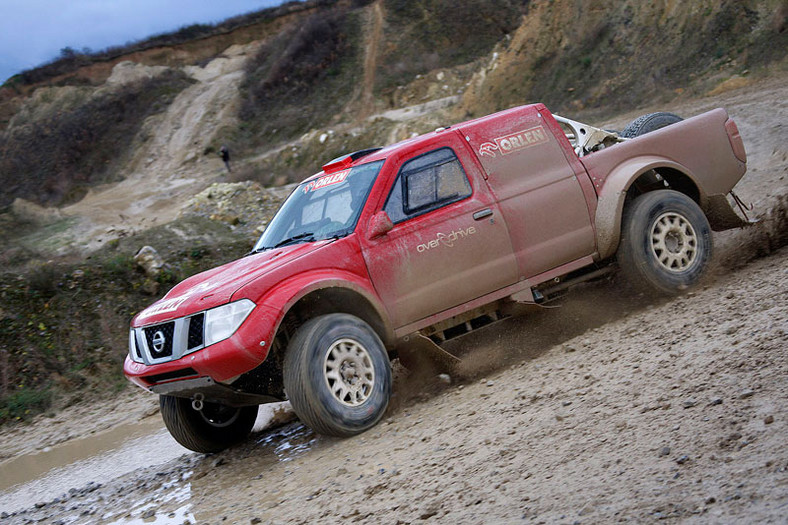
x=222 y=322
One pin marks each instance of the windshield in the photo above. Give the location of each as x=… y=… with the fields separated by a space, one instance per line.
x=323 y=208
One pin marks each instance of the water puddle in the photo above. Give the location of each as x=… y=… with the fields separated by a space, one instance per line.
x=43 y=476
x=80 y=466
x=28 y=467
x=147 y=513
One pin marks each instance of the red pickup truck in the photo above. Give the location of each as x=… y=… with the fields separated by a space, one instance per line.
x=389 y=252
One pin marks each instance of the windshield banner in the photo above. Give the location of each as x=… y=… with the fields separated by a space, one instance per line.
x=328 y=180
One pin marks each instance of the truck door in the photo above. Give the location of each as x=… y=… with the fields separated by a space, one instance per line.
x=449 y=243
x=538 y=190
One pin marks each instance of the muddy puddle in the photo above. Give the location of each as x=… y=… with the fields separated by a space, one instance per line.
x=96 y=459
x=178 y=496
x=84 y=465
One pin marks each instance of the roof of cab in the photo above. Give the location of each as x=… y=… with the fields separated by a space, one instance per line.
x=364 y=156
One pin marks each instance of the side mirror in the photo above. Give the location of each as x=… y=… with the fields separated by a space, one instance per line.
x=380 y=224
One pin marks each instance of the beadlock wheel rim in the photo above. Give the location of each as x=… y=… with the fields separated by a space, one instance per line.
x=674 y=242
x=348 y=371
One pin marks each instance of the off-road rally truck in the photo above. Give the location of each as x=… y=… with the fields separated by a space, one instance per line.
x=389 y=252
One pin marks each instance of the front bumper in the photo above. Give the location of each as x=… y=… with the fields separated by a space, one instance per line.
x=211 y=391
x=222 y=362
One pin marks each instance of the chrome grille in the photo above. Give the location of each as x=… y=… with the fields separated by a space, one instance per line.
x=160 y=339
x=196 y=338
x=168 y=341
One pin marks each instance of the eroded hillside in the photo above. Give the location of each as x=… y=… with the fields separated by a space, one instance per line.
x=623 y=54
x=292 y=89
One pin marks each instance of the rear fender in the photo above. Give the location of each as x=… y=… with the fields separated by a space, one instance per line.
x=610 y=207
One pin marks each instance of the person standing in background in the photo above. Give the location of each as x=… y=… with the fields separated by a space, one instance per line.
x=224 y=153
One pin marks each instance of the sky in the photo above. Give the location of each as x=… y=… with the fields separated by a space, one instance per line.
x=32 y=32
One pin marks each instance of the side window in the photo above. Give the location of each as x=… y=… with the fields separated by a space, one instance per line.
x=426 y=183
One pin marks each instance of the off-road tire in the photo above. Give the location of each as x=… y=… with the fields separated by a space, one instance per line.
x=213 y=429
x=337 y=375
x=666 y=242
x=648 y=123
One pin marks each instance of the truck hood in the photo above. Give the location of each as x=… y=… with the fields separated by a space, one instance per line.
x=216 y=287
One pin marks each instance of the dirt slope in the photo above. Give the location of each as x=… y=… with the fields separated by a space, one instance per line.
x=636 y=410
x=168 y=167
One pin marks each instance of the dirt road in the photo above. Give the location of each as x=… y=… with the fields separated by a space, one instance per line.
x=614 y=407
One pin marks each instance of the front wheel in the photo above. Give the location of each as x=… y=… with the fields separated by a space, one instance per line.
x=337 y=375
x=666 y=242
x=212 y=429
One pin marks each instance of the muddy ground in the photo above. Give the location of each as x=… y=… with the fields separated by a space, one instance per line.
x=613 y=407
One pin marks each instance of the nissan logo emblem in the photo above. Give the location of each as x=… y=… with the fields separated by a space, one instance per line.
x=158 y=341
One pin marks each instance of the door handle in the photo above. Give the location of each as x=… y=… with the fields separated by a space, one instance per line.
x=479 y=215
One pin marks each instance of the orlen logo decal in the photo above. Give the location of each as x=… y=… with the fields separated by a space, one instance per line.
x=328 y=180
x=446 y=239
x=173 y=303
x=487 y=149
x=514 y=142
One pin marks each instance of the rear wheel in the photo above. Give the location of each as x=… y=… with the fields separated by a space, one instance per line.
x=648 y=123
x=337 y=375
x=212 y=429
x=666 y=242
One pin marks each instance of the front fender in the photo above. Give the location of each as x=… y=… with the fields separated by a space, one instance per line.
x=289 y=292
x=610 y=207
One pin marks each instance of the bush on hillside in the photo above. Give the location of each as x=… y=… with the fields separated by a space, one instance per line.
x=64 y=325
x=421 y=35
x=53 y=160
x=302 y=77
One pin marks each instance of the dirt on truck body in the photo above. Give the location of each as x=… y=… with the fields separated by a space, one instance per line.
x=393 y=251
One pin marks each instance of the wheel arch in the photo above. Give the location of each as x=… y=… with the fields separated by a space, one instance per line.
x=320 y=296
x=300 y=298
x=338 y=299
x=631 y=179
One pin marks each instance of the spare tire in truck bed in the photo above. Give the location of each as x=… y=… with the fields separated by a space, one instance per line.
x=648 y=123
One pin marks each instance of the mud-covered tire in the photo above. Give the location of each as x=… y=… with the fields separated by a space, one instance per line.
x=648 y=123
x=666 y=242
x=213 y=429
x=337 y=375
